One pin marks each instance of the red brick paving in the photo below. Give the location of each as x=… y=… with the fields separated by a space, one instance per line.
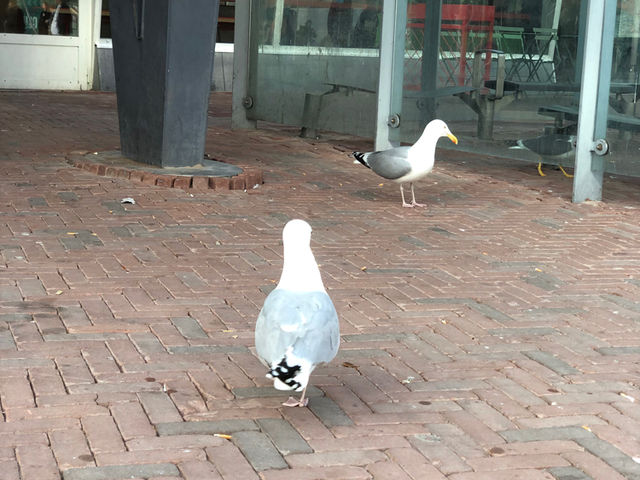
x=492 y=335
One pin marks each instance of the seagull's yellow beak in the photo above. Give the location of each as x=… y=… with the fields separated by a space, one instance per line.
x=453 y=138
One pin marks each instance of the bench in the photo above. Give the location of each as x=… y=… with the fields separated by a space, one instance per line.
x=313 y=101
x=560 y=113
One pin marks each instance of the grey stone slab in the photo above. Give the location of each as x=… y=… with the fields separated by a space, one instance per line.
x=554 y=311
x=512 y=266
x=207 y=427
x=515 y=390
x=329 y=412
x=16 y=317
x=447 y=385
x=568 y=473
x=611 y=455
x=545 y=434
x=618 y=350
x=24 y=362
x=121 y=232
x=68 y=196
x=6 y=341
x=37 y=202
x=259 y=451
x=97 y=337
x=264 y=392
x=115 y=207
x=551 y=362
x=208 y=349
x=521 y=332
x=491 y=313
x=377 y=337
x=72 y=243
x=192 y=281
x=9 y=293
x=412 y=241
x=89 y=238
x=189 y=327
x=286 y=438
x=622 y=302
x=147 y=343
x=548 y=222
x=544 y=281
x=113 y=472
x=346 y=353
x=396 y=271
x=442 y=231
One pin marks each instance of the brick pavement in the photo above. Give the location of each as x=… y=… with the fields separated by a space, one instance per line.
x=493 y=335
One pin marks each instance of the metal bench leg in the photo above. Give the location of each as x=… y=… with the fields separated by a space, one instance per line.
x=310 y=115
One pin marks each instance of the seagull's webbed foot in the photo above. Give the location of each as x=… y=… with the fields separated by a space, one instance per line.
x=568 y=175
x=542 y=174
x=294 y=402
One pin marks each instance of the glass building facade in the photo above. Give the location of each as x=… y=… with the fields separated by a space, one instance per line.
x=496 y=71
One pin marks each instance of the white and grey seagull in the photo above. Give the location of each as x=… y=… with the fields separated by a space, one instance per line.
x=297 y=328
x=408 y=164
x=554 y=147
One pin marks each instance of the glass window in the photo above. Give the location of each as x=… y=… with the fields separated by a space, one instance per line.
x=623 y=125
x=39 y=17
x=490 y=71
x=226 y=21
x=315 y=64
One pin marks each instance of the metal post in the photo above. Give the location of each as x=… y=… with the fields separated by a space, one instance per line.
x=594 y=101
x=163 y=60
x=240 y=92
x=430 y=56
x=394 y=24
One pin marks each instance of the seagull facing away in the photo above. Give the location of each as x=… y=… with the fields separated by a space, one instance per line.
x=408 y=164
x=297 y=328
x=553 y=147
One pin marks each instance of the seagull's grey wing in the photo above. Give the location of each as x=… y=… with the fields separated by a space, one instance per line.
x=391 y=164
x=550 y=145
x=308 y=322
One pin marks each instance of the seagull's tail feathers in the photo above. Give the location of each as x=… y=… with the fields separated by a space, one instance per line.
x=292 y=373
x=362 y=158
x=518 y=146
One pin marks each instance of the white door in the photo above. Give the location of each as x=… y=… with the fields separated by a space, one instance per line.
x=54 y=59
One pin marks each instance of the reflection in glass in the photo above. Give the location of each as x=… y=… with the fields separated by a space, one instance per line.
x=39 y=17
x=315 y=64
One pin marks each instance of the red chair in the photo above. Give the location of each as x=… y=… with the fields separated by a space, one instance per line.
x=464 y=30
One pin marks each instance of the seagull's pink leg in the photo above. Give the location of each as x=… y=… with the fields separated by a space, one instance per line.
x=405 y=204
x=292 y=402
x=413 y=199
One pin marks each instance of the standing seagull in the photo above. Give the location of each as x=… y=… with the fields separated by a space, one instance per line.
x=297 y=328
x=408 y=164
x=555 y=147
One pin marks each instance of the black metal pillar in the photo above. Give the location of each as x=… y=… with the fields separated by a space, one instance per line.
x=163 y=58
x=430 y=56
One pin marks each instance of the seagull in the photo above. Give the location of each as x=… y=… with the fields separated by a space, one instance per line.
x=408 y=164
x=554 y=147
x=297 y=328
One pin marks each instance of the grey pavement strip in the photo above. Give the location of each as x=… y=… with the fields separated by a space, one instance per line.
x=551 y=362
x=122 y=471
x=259 y=451
x=329 y=412
x=206 y=427
x=286 y=438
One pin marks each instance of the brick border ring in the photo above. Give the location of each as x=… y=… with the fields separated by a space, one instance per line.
x=111 y=164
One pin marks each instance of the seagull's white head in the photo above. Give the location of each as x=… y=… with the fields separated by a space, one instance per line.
x=300 y=271
x=437 y=128
x=296 y=232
